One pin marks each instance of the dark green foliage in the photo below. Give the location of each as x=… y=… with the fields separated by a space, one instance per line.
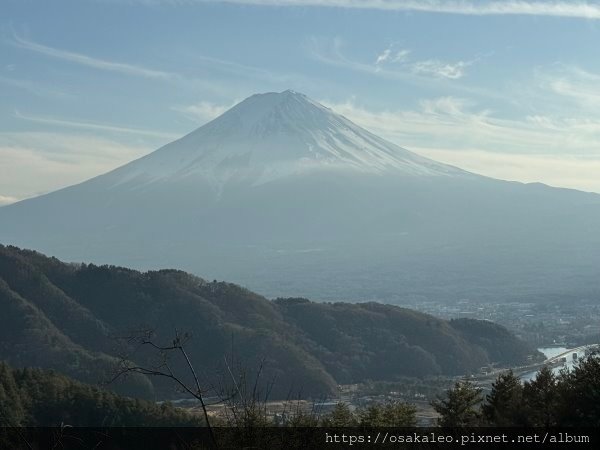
x=390 y=414
x=570 y=399
x=579 y=392
x=541 y=399
x=460 y=407
x=65 y=317
x=12 y=410
x=500 y=345
x=503 y=406
x=373 y=341
x=34 y=397
x=341 y=416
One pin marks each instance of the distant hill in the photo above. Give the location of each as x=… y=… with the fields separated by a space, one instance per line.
x=66 y=317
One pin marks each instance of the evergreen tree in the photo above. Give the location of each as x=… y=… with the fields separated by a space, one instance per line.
x=341 y=416
x=12 y=412
x=399 y=414
x=460 y=407
x=503 y=405
x=579 y=391
x=541 y=400
x=391 y=414
x=371 y=416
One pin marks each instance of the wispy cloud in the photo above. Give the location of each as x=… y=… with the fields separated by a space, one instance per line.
x=440 y=69
x=203 y=111
x=34 y=163
x=247 y=71
x=393 y=56
x=390 y=63
x=557 y=151
x=551 y=8
x=573 y=83
x=205 y=62
x=7 y=200
x=554 y=170
x=35 y=88
x=94 y=126
x=85 y=60
x=450 y=123
x=384 y=56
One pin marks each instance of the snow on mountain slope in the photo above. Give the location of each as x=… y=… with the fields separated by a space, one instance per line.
x=268 y=136
x=285 y=196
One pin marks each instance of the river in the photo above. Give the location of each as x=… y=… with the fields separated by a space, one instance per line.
x=550 y=352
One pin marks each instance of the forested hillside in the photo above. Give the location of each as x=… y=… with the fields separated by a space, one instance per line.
x=42 y=398
x=73 y=318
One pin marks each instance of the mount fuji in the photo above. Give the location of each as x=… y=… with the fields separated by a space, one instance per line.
x=287 y=197
x=271 y=136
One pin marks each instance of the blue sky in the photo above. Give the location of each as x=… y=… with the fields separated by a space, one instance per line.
x=508 y=89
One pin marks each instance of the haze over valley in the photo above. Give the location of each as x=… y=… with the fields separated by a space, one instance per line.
x=266 y=219
x=287 y=197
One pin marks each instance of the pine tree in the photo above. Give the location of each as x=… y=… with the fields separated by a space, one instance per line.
x=541 y=400
x=503 y=405
x=579 y=391
x=391 y=414
x=341 y=416
x=460 y=407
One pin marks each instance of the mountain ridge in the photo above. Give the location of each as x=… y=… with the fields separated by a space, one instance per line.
x=304 y=345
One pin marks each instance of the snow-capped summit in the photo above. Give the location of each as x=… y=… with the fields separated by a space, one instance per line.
x=271 y=135
x=287 y=197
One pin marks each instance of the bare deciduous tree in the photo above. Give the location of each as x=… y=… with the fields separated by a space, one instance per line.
x=163 y=367
x=241 y=392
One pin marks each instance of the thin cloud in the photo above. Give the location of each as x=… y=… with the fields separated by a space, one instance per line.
x=440 y=69
x=554 y=170
x=452 y=124
x=89 y=61
x=390 y=55
x=202 y=112
x=574 y=83
x=94 y=126
x=385 y=55
x=576 y=9
x=7 y=200
x=34 y=88
x=389 y=63
x=207 y=62
x=558 y=152
x=246 y=71
x=34 y=163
